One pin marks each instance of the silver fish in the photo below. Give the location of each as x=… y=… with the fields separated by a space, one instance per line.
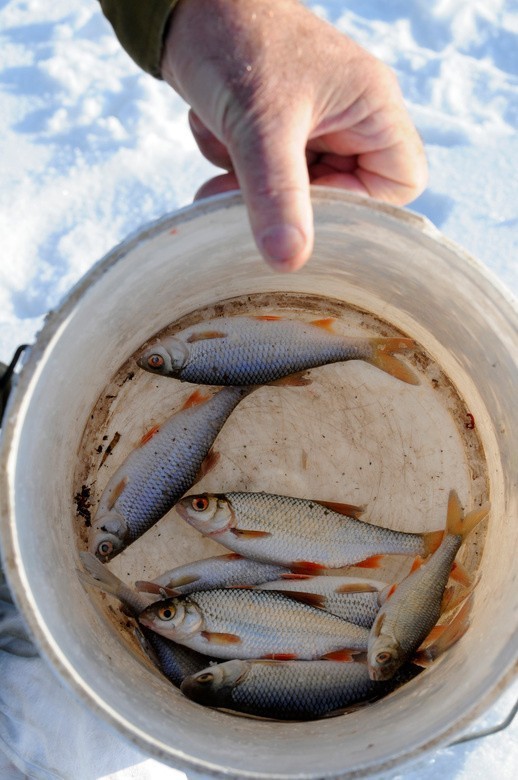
x=413 y=608
x=262 y=349
x=247 y=623
x=156 y=474
x=288 y=690
x=304 y=535
x=220 y=571
x=357 y=601
x=174 y=660
x=304 y=690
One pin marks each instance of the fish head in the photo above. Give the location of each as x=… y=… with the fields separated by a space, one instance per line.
x=165 y=357
x=384 y=658
x=211 y=683
x=209 y=513
x=172 y=618
x=108 y=535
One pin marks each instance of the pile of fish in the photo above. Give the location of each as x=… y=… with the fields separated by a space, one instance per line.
x=274 y=628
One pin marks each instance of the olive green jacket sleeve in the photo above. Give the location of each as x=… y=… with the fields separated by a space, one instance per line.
x=140 y=25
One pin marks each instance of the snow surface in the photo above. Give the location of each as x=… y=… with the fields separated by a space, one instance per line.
x=92 y=149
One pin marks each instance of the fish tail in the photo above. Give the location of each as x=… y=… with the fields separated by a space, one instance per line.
x=432 y=541
x=451 y=633
x=101 y=578
x=383 y=358
x=459 y=525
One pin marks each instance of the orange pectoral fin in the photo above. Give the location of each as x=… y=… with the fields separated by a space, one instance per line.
x=349 y=510
x=117 y=492
x=279 y=657
x=196 y=398
x=187 y=579
x=149 y=435
x=376 y=627
x=244 y=534
x=346 y=656
x=205 y=335
x=306 y=567
x=293 y=576
x=356 y=587
x=221 y=639
x=374 y=562
x=268 y=317
x=293 y=380
x=208 y=463
x=386 y=593
x=326 y=323
x=459 y=574
x=433 y=636
x=416 y=564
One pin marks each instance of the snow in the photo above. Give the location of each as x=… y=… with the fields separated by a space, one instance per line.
x=92 y=149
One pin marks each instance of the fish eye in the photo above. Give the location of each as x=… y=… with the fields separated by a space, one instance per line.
x=166 y=613
x=383 y=657
x=200 y=503
x=155 y=361
x=205 y=678
x=105 y=548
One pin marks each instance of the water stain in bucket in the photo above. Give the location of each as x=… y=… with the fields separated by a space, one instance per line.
x=354 y=435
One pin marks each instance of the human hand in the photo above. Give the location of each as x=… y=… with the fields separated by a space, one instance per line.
x=279 y=98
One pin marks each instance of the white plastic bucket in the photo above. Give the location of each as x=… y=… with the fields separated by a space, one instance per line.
x=393 y=268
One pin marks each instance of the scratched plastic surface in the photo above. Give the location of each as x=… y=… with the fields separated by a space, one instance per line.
x=354 y=434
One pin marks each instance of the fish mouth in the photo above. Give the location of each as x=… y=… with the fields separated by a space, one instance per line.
x=191 y=688
x=380 y=675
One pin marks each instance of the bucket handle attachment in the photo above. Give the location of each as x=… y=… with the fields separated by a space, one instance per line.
x=6 y=373
x=488 y=732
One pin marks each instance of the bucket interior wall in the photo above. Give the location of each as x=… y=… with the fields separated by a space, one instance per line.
x=375 y=259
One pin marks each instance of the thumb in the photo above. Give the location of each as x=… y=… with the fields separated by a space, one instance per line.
x=270 y=164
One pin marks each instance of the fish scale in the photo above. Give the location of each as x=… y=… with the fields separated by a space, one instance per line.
x=296 y=690
x=297 y=350
x=266 y=623
x=359 y=607
x=218 y=571
x=288 y=530
x=412 y=609
x=158 y=472
x=264 y=349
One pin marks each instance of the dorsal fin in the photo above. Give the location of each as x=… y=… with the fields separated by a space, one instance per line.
x=206 y=335
x=349 y=510
x=312 y=599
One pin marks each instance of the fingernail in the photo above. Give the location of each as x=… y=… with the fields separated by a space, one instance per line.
x=281 y=243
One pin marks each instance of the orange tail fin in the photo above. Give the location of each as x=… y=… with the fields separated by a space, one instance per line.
x=432 y=541
x=383 y=358
x=459 y=525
